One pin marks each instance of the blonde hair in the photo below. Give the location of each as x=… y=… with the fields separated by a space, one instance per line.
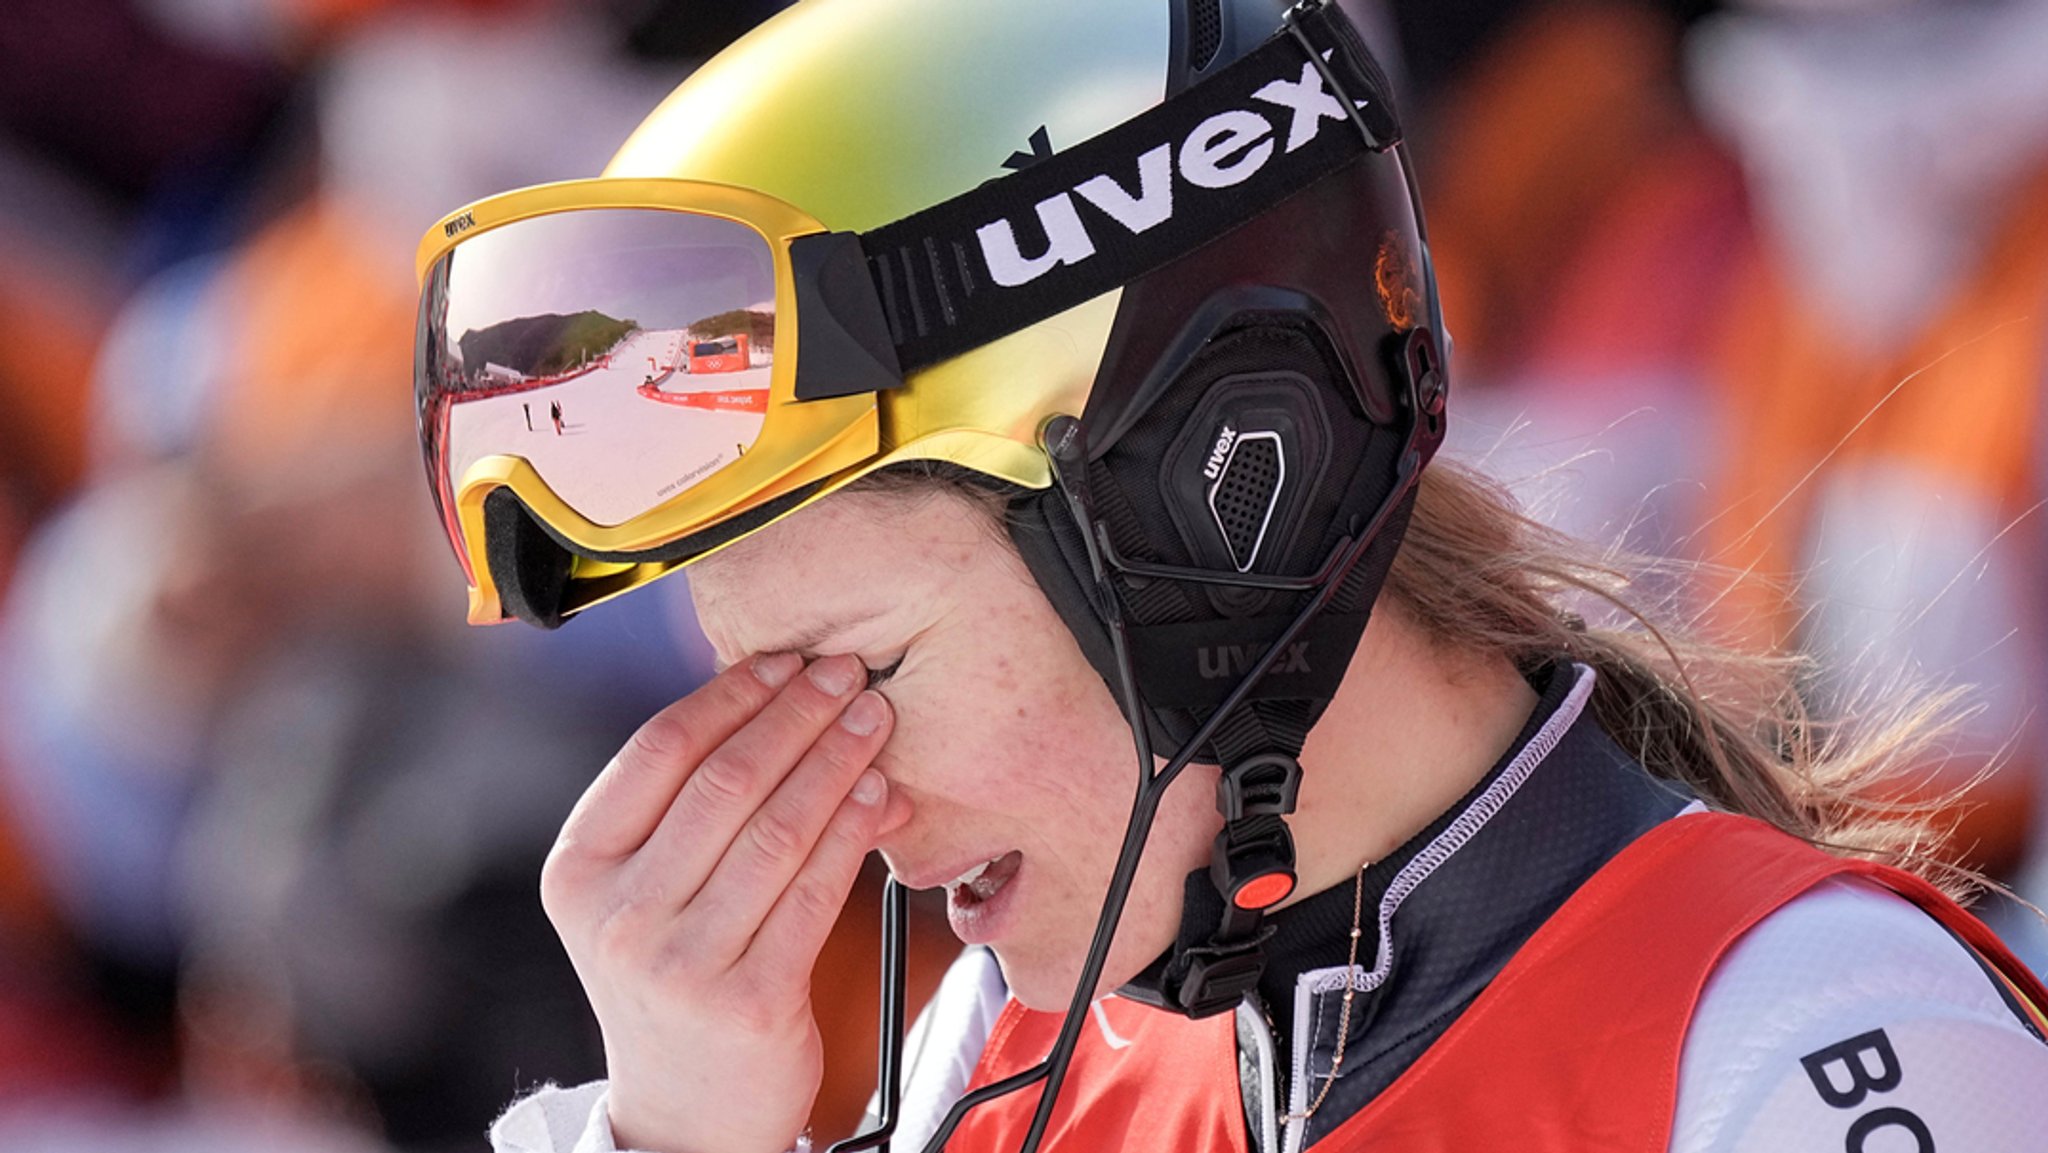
x=1729 y=722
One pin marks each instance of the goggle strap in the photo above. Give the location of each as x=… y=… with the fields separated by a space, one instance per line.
x=846 y=346
x=1110 y=209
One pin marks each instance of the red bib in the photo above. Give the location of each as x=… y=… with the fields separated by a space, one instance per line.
x=1573 y=1047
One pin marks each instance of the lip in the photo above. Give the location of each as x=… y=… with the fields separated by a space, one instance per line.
x=987 y=921
x=939 y=878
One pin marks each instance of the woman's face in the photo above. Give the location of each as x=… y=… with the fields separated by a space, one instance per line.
x=1007 y=747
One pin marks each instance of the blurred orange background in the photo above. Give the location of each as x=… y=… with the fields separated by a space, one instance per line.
x=1762 y=285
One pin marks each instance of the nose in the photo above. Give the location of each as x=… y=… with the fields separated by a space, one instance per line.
x=897 y=813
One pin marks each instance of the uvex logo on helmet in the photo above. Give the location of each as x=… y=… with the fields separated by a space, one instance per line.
x=1213 y=467
x=1225 y=149
x=1213 y=661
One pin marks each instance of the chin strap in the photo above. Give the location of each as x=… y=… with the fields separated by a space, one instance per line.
x=1221 y=952
x=1251 y=868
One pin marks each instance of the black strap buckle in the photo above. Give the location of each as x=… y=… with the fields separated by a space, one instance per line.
x=1252 y=866
x=1220 y=973
x=1253 y=859
x=1265 y=784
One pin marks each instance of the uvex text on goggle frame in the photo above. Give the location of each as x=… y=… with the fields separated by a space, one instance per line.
x=616 y=376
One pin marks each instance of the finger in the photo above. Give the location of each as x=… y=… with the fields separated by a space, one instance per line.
x=794 y=931
x=776 y=841
x=736 y=778
x=627 y=801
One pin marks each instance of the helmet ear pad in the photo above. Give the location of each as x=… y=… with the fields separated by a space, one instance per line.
x=1255 y=458
x=1050 y=543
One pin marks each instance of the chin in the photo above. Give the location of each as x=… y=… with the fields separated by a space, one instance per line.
x=1036 y=983
x=1047 y=985
x=1042 y=962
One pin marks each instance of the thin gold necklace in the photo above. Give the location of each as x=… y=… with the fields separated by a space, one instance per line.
x=1350 y=992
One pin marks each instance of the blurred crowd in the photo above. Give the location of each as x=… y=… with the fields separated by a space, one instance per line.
x=1762 y=285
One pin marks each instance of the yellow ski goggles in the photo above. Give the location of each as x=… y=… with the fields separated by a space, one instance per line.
x=616 y=376
x=622 y=357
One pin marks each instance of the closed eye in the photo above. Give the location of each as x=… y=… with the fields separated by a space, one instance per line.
x=879 y=677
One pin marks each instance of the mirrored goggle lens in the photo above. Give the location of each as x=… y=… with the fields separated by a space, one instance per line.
x=624 y=353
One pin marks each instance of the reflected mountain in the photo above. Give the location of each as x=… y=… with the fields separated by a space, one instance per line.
x=757 y=324
x=547 y=345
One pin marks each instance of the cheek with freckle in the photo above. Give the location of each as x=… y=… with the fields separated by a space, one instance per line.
x=1002 y=677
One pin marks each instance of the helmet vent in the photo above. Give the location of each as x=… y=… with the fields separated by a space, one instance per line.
x=1245 y=493
x=1205 y=32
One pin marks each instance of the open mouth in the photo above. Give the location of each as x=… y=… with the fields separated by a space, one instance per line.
x=984 y=881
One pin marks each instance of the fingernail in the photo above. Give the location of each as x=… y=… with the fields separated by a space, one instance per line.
x=775 y=669
x=869 y=788
x=832 y=675
x=865 y=714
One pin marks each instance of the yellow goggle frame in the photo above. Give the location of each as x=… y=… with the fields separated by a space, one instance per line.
x=801 y=441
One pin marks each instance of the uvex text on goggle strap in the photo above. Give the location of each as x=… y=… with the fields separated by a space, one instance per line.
x=615 y=376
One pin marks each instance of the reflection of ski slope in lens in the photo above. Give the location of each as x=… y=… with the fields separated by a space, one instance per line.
x=616 y=455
